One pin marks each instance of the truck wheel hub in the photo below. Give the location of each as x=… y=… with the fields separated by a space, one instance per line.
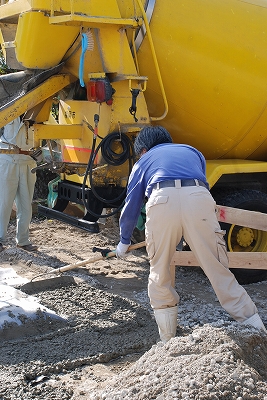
x=245 y=237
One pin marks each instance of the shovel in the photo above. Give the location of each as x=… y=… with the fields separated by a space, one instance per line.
x=65 y=280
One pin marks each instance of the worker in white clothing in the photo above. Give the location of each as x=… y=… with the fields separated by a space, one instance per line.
x=17 y=181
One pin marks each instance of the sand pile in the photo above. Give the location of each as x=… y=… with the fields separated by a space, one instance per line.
x=227 y=362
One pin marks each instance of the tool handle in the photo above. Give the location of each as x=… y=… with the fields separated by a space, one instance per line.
x=130 y=248
x=136 y=246
x=96 y=258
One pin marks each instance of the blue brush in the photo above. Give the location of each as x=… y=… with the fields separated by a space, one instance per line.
x=87 y=44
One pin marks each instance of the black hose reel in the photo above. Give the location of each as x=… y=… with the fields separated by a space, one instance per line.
x=114 y=158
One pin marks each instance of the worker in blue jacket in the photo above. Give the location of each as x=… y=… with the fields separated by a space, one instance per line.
x=172 y=178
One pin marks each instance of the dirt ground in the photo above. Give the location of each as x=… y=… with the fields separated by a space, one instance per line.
x=105 y=344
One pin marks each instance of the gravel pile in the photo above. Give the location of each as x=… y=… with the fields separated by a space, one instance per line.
x=212 y=362
x=30 y=366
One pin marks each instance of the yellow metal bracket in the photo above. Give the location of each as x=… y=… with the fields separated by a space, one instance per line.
x=217 y=168
x=142 y=79
x=95 y=22
x=44 y=131
x=97 y=75
x=8 y=45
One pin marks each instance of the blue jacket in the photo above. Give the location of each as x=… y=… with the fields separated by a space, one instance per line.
x=163 y=162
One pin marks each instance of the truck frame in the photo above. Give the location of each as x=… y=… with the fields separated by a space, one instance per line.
x=88 y=76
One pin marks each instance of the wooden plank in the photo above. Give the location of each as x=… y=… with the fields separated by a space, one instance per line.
x=251 y=219
x=256 y=260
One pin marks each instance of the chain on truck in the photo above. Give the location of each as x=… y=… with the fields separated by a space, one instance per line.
x=109 y=68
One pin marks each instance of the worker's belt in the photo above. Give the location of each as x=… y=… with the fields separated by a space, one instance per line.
x=15 y=150
x=179 y=183
x=25 y=152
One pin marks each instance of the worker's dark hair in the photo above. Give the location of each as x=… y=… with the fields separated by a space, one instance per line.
x=149 y=137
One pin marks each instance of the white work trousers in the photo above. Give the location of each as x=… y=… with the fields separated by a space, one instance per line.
x=17 y=184
x=190 y=212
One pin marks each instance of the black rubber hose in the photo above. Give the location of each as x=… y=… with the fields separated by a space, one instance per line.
x=111 y=158
x=86 y=175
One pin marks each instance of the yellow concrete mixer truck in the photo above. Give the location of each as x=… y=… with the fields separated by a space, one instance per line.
x=87 y=75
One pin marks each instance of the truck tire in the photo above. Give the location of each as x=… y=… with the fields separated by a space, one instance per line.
x=239 y=238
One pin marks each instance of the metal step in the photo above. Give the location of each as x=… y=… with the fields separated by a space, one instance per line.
x=88 y=226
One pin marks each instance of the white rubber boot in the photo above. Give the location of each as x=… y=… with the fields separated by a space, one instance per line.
x=166 y=319
x=255 y=321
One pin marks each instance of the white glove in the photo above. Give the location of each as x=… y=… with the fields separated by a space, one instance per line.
x=121 y=250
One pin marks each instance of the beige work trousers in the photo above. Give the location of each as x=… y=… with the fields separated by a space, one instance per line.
x=190 y=212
